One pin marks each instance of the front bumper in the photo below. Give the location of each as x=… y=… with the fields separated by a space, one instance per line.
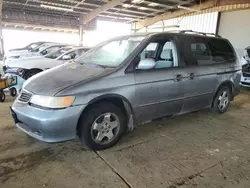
x=45 y=124
x=245 y=81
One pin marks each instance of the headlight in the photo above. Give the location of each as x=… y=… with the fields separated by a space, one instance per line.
x=52 y=102
x=243 y=61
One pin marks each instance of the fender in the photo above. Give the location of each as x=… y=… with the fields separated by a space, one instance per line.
x=126 y=105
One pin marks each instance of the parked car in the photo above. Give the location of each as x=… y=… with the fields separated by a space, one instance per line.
x=42 y=52
x=28 y=47
x=28 y=67
x=52 y=55
x=115 y=86
x=17 y=54
x=245 y=62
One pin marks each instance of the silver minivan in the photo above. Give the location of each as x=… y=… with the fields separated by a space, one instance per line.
x=127 y=81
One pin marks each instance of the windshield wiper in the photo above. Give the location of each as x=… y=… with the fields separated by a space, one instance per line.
x=103 y=66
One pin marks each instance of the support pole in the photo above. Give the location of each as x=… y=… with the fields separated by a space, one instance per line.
x=1 y=33
x=81 y=31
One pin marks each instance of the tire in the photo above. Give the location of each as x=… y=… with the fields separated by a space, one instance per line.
x=13 y=92
x=2 y=96
x=31 y=73
x=101 y=113
x=224 y=94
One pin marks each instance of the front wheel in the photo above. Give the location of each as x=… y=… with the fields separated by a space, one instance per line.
x=222 y=100
x=2 y=96
x=102 y=126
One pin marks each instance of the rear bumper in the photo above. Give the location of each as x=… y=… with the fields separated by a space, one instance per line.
x=47 y=125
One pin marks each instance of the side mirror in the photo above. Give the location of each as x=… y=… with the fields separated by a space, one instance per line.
x=146 y=64
x=66 y=57
x=44 y=52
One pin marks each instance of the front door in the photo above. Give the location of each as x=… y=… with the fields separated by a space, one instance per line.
x=159 y=88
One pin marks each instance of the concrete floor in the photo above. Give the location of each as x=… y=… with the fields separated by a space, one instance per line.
x=195 y=150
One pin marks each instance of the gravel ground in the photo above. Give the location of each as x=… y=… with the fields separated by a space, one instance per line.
x=194 y=150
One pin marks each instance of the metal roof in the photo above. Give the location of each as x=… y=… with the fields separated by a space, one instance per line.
x=65 y=15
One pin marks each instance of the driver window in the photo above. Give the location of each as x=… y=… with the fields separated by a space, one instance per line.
x=52 y=49
x=158 y=55
x=149 y=51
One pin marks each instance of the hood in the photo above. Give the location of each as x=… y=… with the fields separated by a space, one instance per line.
x=52 y=81
x=17 y=53
x=30 y=63
x=11 y=61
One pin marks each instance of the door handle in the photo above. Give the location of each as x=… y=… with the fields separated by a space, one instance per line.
x=191 y=76
x=178 y=78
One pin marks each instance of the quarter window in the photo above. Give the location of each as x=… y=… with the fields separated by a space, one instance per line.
x=221 y=50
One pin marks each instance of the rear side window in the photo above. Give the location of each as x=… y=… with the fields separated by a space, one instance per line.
x=206 y=51
x=196 y=51
x=221 y=50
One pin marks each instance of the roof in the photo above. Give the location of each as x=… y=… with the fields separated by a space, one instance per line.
x=67 y=14
x=171 y=32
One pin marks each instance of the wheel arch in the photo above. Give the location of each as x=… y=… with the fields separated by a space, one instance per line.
x=116 y=99
x=227 y=83
x=30 y=70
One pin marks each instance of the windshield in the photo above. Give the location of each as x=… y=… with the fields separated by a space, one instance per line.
x=111 y=53
x=57 y=53
x=40 y=47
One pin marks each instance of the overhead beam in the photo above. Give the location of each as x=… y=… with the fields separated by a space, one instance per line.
x=36 y=26
x=169 y=15
x=105 y=7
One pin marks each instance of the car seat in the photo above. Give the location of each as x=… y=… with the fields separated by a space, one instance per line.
x=167 y=61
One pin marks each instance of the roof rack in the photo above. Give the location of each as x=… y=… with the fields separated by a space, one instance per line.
x=200 y=33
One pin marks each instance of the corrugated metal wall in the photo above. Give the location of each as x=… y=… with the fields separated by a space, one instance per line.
x=202 y=22
x=235 y=26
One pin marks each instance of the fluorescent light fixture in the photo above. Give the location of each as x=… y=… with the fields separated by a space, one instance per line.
x=57 y=8
x=189 y=9
x=143 y=8
x=126 y=5
x=137 y=1
x=153 y=4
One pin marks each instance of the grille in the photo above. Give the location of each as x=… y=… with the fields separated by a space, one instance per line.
x=24 y=96
x=246 y=74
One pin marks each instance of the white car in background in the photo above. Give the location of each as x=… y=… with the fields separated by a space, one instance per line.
x=245 y=62
x=52 y=55
x=15 y=53
x=43 y=50
x=29 y=47
x=28 y=67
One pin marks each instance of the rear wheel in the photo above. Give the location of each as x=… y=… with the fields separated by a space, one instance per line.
x=222 y=100
x=2 y=96
x=102 y=126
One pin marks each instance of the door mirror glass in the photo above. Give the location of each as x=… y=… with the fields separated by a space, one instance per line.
x=146 y=64
x=66 y=57
x=44 y=52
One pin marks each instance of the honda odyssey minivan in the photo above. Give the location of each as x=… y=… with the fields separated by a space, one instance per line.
x=127 y=81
